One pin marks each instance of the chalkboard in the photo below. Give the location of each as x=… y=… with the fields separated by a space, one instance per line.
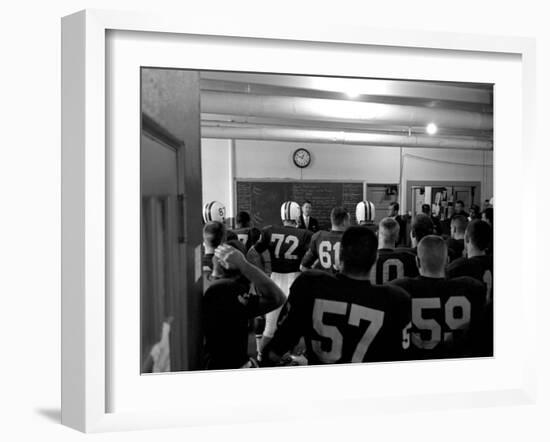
x=263 y=199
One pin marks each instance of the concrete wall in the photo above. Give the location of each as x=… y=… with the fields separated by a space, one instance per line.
x=380 y=165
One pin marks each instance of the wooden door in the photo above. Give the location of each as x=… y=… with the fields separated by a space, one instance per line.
x=171 y=229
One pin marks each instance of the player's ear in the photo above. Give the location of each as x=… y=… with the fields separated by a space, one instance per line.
x=417 y=261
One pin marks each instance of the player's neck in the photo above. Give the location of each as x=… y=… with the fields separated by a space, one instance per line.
x=358 y=277
x=458 y=236
x=338 y=228
x=437 y=275
x=475 y=252
x=209 y=250
x=386 y=245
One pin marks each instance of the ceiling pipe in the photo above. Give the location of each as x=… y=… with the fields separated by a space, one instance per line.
x=385 y=96
x=341 y=137
x=313 y=109
x=428 y=90
x=240 y=121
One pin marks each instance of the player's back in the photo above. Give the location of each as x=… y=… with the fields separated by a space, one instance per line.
x=478 y=267
x=247 y=235
x=393 y=264
x=325 y=250
x=456 y=248
x=287 y=246
x=344 y=320
x=446 y=315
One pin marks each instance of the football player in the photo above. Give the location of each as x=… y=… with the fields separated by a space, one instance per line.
x=287 y=245
x=364 y=213
x=325 y=246
x=478 y=264
x=213 y=234
x=393 y=212
x=228 y=305
x=447 y=314
x=391 y=263
x=455 y=243
x=421 y=226
x=245 y=233
x=459 y=209
x=343 y=317
x=427 y=210
x=213 y=211
x=487 y=215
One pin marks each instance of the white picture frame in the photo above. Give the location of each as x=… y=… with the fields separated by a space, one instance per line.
x=86 y=202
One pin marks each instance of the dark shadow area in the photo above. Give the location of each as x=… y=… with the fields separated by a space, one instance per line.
x=52 y=414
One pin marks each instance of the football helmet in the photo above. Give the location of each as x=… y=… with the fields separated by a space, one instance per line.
x=290 y=211
x=213 y=211
x=364 y=211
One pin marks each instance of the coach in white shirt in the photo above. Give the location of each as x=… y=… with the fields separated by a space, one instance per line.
x=306 y=221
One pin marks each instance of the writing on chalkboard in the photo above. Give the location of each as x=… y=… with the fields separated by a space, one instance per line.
x=263 y=199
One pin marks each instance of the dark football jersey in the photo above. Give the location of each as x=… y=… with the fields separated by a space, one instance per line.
x=247 y=235
x=371 y=226
x=230 y=235
x=343 y=320
x=207 y=265
x=226 y=323
x=411 y=250
x=478 y=267
x=287 y=246
x=393 y=264
x=456 y=247
x=325 y=250
x=447 y=315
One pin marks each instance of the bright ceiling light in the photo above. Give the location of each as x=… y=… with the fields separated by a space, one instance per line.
x=352 y=94
x=431 y=128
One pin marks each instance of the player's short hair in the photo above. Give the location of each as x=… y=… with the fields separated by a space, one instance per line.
x=426 y=209
x=243 y=219
x=358 y=250
x=214 y=233
x=460 y=202
x=459 y=223
x=480 y=234
x=432 y=253
x=394 y=205
x=389 y=229
x=489 y=214
x=307 y=202
x=422 y=226
x=338 y=216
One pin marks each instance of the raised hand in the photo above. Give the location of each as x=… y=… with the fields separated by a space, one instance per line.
x=229 y=257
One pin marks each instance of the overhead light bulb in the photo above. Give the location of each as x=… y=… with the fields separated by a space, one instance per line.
x=431 y=128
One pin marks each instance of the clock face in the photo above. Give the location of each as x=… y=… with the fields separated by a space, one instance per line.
x=302 y=158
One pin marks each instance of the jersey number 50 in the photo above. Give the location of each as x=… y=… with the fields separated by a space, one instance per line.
x=331 y=333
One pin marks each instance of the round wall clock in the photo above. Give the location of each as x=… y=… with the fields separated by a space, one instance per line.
x=301 y=157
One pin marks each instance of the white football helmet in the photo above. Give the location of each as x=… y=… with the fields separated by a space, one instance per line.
x=290 y=211
x=213 y=211
x=364 y=211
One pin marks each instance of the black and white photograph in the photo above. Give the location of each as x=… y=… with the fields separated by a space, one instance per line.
x=295 y=220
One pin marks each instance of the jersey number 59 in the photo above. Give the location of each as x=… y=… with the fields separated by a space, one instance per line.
x=454 y=322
